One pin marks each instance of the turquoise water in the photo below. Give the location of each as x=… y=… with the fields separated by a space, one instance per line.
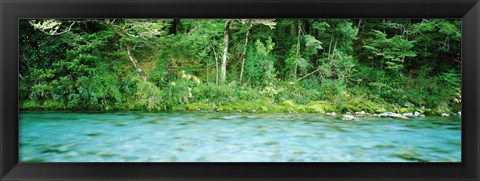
x=230 y=137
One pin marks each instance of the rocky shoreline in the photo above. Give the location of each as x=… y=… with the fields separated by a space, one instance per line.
x=388 y=114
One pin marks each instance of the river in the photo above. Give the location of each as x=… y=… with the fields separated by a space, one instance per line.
x=233 y=137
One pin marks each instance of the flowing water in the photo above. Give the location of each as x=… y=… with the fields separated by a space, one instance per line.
x=231 y=137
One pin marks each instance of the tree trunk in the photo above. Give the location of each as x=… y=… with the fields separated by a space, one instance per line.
x=298 y=50
x=129 y=52
x=225 y=51
x=134 y=62
x=330 y=48
x=335 y=47
x=216 y=64
x=359 y=25
x=173 y=28
x=244 y=52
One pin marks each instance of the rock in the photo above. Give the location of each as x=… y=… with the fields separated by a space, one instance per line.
x=416 y=114
x=409 y=104
x=348 y=117
x=422 y=108
x=422 y=115
x=231 y=117
x=360 y=113
x=382 y=114
x=460 y=113
x=393 y=115
x=385 y=114
x=445 y=114
x=331 y=114
x=408 y=114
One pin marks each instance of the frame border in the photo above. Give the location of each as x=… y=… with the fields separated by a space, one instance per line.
x=11 y=11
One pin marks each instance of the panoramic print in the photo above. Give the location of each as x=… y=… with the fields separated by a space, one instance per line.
x=240 y=90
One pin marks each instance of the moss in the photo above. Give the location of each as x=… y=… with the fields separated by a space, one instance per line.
x=244 y=106
x=264 y=108
x=404 y=110
x=199 y=106
x=30 y=104
x=287 y=103
x=246 y=99
x=264 y=105
x=380 y=110
x=315 y=108
x=320 y=107
x=359 y=104
x=178 y=108
x=45 y=105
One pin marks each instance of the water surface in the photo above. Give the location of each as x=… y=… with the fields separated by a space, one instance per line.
x=231 y=137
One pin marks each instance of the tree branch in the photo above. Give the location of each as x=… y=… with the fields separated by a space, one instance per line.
x=134 y=62
x=308 y=74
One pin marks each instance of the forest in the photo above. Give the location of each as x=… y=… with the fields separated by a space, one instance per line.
x=241 y=65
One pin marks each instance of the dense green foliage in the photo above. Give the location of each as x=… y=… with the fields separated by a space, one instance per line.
x=283 y=65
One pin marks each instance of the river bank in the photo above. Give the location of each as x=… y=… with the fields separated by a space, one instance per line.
x=265 y=106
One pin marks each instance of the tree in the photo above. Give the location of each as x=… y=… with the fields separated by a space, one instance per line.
x=52 y=26
x=223 y=73
x=136 y=64
x=393 y=51
x=250 y=23
x=138 y=33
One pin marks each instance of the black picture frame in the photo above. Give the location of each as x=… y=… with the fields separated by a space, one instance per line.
x=12 y=10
